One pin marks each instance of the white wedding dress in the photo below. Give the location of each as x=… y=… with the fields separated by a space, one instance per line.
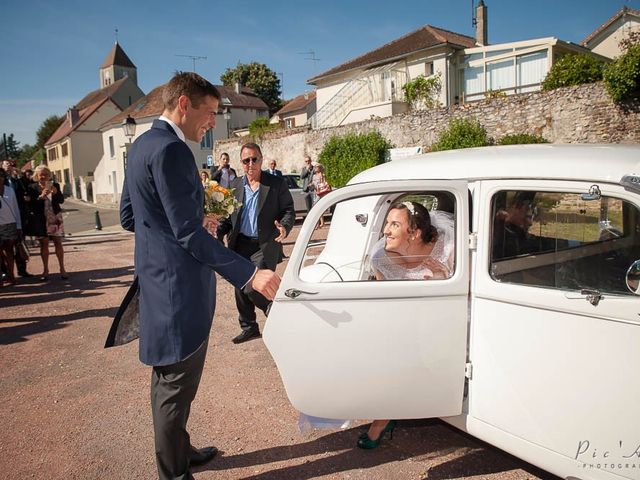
x=442 y=252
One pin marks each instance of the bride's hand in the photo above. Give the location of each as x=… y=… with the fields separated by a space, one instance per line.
x=438 y=270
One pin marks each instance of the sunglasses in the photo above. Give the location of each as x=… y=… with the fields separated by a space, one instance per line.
x=245 y=161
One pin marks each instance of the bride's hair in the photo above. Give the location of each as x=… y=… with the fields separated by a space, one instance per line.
x=418 y=218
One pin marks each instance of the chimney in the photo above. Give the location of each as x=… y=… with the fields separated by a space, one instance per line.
x=73 y=115
x=238 y=86
x=482 y=36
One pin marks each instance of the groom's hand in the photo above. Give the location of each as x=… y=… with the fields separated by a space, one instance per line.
x=211 y=223
x=266 y=283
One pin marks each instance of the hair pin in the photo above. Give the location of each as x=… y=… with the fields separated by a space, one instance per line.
x=410 y=207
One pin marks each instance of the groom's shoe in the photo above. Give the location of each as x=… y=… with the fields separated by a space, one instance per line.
x=200 y=456
x=247 y=335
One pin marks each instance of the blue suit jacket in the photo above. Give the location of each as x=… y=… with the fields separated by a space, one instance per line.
x=175 y=257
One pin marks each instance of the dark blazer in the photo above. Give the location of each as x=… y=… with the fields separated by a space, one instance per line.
x=175 y=257
x=35 y=223
x=306 y=174
x=274 y=203
x=218 y=175
x=276 y=172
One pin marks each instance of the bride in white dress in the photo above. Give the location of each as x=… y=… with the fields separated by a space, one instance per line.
x=416 y=245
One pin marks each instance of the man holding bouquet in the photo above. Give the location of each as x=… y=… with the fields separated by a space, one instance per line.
x=257 y=230
x=175 y=260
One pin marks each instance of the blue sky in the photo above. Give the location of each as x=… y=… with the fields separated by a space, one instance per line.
x=52 y=49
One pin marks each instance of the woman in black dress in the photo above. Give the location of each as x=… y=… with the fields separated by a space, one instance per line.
x=45 y=217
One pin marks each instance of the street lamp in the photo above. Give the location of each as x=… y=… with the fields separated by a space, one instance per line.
x=227 y=116
x=129 y=129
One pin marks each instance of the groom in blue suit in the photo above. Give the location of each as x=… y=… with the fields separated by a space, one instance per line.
x=175 y=263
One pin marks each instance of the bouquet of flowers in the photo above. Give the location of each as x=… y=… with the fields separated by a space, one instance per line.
x=219 y=201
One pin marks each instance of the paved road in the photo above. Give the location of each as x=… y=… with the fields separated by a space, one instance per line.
x=80 y=216
x=71 y=409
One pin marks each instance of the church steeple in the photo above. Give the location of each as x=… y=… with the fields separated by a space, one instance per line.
x=117 y=65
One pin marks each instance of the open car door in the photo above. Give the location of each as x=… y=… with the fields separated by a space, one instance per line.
x=348 y=346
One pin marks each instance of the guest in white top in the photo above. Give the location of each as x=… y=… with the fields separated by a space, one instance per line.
x=10 y=226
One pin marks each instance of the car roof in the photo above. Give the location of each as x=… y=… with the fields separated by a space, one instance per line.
x=593 y=162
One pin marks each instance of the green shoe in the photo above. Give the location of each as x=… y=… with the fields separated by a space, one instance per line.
x=366 y=443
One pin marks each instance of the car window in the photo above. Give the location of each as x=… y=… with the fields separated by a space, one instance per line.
x=293 y=181
x=391 y=237
x=563 y=240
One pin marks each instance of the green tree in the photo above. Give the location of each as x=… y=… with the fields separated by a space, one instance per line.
x=27 y=153
x=462 y=134
x=9 y=147
x=260 y=78
x=633 y=38
x=343 y=157
x=622 y=78
x=47 y=128
x=573 y=70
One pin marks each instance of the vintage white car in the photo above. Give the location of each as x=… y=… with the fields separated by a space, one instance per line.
x=532 y=345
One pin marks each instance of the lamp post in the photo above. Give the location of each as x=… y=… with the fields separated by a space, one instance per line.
x=227 y=116
x=129 y=129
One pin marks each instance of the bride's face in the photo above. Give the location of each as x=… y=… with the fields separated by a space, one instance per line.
x=396 y=231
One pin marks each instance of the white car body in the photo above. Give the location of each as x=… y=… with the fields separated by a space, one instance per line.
x=547 y=374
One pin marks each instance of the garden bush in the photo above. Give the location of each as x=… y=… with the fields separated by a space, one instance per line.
x=573 y=70
x=622 y=78
x=521 y=139
x=462 y=134
x=343 y=157
x=422 y=92
x=261 y=125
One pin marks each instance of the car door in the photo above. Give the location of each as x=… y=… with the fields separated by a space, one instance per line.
x=350 y=347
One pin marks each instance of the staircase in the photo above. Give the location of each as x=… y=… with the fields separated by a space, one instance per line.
x=378 y=85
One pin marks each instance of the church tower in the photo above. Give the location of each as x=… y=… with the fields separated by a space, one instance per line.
x=117 y=65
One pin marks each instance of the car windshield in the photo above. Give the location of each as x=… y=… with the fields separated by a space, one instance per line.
x=293 y=181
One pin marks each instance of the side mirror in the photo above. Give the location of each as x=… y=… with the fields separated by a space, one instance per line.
x=633 y=277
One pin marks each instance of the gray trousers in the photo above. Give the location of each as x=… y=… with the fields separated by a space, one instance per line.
x=173 y=388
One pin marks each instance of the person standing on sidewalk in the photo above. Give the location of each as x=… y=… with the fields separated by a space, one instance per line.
x=175 y=263
x=225 y=174
x=19 y=183
x=257 y=230
x=306 y=174
x=45 y=218
x=10 y=226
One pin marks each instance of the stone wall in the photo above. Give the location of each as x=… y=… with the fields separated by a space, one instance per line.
x=581 y=114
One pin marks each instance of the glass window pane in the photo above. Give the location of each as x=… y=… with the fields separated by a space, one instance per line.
x=385 y=237
x=500 y=75
x=473 y=80
x=559 y=240
x=531 y=69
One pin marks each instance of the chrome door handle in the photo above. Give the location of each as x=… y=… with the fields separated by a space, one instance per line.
x=293 y=293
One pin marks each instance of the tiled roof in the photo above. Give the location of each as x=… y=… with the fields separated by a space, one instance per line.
x=298 y=103
x=152 y=105
x=117 y=57
x=148 y=106
x=86 y=107
x=246 y=99
x=425 y=37
x=620 y=13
